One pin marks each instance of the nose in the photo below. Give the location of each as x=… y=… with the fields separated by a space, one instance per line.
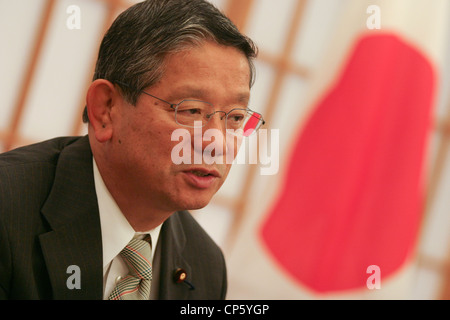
x=215 y=128
x=213 y=144
x=218 y=120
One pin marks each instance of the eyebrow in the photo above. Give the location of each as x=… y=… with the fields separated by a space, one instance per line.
x=185 y=92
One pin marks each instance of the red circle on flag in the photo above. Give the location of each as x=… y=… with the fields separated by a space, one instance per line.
x=353 y=195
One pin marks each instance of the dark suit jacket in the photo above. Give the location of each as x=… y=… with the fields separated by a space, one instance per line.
x=49 y=220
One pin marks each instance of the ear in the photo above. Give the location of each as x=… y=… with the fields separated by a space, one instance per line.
x=101 y=97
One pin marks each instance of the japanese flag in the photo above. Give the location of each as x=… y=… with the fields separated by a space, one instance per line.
x=342 y=217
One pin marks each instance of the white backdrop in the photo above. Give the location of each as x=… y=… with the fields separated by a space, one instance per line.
x=64 y=66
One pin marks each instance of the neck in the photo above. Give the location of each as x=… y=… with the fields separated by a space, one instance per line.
x=138 y=209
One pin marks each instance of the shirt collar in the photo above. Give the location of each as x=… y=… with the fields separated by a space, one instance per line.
x=116 y=230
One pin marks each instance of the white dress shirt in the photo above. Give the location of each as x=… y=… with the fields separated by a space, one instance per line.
x=116 y=234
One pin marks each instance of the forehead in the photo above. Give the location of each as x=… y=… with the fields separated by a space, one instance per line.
x=207 y=69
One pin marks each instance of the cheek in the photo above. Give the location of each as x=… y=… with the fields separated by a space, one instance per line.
x=149 y=129
x=157 y=147
x=149 y=145
x=233 y=145
x=225 y=173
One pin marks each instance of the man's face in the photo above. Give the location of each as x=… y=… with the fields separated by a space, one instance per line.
x=142 y=134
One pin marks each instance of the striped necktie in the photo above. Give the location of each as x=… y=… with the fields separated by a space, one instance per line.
x=136 y=285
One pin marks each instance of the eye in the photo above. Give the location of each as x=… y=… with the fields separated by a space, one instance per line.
x=236 y=116
x=190 y=111
x=194 y=108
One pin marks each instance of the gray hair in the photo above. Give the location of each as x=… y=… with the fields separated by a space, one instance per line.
x=134 y=48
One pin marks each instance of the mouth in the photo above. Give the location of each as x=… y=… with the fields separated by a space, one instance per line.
x=201 y=178
x=204 y=173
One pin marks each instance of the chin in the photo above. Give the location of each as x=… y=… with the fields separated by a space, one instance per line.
x=195 y=204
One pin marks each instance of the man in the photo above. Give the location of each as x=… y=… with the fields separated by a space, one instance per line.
x=75 y=212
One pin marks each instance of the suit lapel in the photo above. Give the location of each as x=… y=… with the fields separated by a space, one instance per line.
x=172 y=243
x=73 y=249
x=74 y=246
